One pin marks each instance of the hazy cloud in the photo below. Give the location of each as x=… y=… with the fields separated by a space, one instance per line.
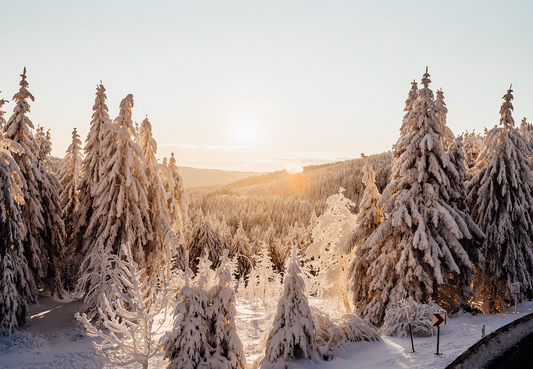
x=210 y=147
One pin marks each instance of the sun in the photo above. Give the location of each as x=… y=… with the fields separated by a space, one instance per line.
x=246 y=132
x=250 y=119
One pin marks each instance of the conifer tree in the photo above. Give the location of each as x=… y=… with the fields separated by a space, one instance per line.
x=501 y=198
x=447 y=135
x=526 y=130
x=121 y=209
x=255 y=239
x=456 y=290
x=370 y=215
x=415 y=248
x=223 y=231
x=176 y=215
x=326 y=253
x=241 y=248
x=277 y=250
x=472 y=146
x=164 y=244
x=293 y=332
x=300 y=237
x=187 y=345
x=98 y=279
x=44 y=229
x=128 y=315
x=50 y=189
x=69 y=177
x=16 y=283
x=2 y=119
x=263 y=281
x=204 y=238
x=91 y=167
x=411 y=98
x=223 y=336
x=307 y=236
x=179 y=193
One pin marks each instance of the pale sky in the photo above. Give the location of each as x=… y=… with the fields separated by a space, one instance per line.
x=254 y=85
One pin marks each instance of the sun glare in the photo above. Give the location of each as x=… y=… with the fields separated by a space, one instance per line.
x=246 y=132
x=250 y=119
x=294 y=168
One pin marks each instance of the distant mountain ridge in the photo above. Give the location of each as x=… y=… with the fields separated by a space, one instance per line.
x=200 y=177
x=192 y=177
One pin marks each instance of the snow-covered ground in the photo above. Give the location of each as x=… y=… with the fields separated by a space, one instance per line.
x=54 y=340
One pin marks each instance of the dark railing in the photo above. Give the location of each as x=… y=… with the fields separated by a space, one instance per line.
x=460 y=360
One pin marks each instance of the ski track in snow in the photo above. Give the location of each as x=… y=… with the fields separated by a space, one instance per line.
x=54 y=340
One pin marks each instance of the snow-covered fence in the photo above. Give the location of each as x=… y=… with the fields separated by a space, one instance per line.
x=494 y=344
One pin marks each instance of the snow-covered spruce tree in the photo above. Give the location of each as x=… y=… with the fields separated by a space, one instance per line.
x=16 y=283
x=98 y=279
x=129 y=316
x=526 y=130
x=121 y=209
x=256 y=235
x=418 y=244
x=368 y=219
x=299 y=236
x=227 y=346
x=41 y=212
x=293 y=332
x=307 y=235
x=224 y=232
x=2 y=119
x=326 y=253
x=204 y=237
x=447 y=135
x=50 y=189
x=472 y=146
x=241 y=248
x=90 y=168
x=187 y=345
x=456 y=290
x=411 y=98
x=165 y=243
x=501 y=198
x=177 y=217
x=263 y=281
x=69 y=177
x=278 y=251
x=406 y=125
x=370 y=215
x=205 y=278
x=179 y=194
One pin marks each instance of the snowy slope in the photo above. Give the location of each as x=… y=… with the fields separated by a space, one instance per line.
x=53 y=340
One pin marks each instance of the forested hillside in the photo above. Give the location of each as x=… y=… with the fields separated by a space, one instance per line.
x=282 y=199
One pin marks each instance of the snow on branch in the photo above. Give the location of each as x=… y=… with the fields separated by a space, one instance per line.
x=129 y=316
x=419 y=315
